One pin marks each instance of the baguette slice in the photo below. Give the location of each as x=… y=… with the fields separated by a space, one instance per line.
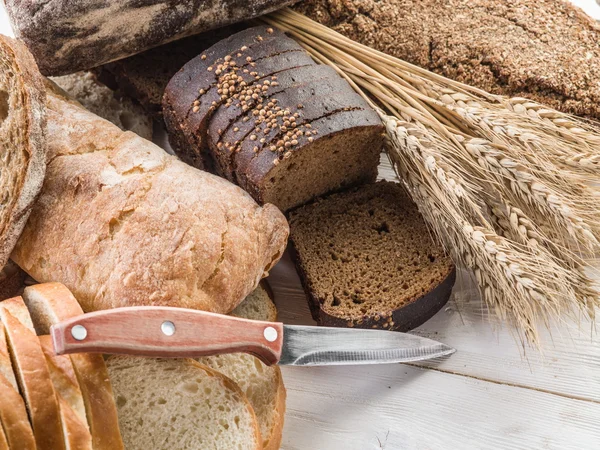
x=180 y=404
x=22 y=158
x=51 y=303
x=32 y=374
x=262 y=384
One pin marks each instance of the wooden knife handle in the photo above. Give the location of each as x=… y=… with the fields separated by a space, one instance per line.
x=167 y=332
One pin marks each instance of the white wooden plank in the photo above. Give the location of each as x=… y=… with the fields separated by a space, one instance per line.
x=400 y=407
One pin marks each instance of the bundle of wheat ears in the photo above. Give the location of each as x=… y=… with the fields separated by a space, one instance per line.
x=506 y=184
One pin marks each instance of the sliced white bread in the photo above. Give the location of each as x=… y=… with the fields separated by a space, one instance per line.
x=258 y=305
x=180 y=404
x=14 y=421
x=262 y=384
x=32 y=375
x=75 y=433
x=51 y=303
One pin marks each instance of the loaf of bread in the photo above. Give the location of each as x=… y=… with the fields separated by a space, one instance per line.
x=12 y=280
x=259 y=109
x=546 y=51
x=367 y=260
x=143 y=228
x=22 y=158
x=106 y=103
x=68 y=36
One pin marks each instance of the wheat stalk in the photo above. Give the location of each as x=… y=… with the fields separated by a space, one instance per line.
x=504 y=183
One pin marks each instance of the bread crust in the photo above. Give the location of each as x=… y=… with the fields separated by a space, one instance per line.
x=13 y=417
x=205 y=246
x=31 y=89
x=53 y=303
x=67 y=36
x=34 y=378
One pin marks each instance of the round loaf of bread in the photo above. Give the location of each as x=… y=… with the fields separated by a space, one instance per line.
x=22 y=154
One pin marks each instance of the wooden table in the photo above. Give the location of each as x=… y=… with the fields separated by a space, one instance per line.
x=491 y=394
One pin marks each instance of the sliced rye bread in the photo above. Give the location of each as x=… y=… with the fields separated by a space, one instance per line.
x=106 y=103
x=50 y=303
x=367 y=260
x=269 y=76
x=12 y=280
x=284 y=122
x=145 y=76
x=13 y=414
x=180 y=404
x=342 y=150
x=300 y=102
x=23 y=155
x=32 y=375
x=195 y=91
x=262 y=384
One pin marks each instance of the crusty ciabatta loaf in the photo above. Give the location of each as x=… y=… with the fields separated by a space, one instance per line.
x=180 y=404
x=13 y=415
x=108 y=104
x=228 y=106
x=366 y=259
x=32 y=375
x=22 y=158
x=12 y=280
x=144 y=228
x=262 y=384
x=51 y=303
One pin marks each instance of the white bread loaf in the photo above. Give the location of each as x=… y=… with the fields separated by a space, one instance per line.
x=22 y=158
x=32 y=375
x=51 y=303
x=143 y=228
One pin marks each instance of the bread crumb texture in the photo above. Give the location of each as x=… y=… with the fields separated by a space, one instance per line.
x=517 y=48
x=179 y=404
x=367 y=252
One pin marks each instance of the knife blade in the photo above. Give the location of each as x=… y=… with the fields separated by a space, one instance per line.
x=177 y=332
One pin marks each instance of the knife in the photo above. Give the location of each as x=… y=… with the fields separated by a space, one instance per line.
x=177 y=332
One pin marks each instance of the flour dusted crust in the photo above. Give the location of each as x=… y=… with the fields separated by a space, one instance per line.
x=67 y=36
x=22 y=161
x=122 y=223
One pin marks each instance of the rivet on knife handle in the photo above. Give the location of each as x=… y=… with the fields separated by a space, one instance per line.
x=167 y=332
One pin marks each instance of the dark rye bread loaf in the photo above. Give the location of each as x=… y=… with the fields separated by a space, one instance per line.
x=145 y=76
x=293 y=106
x=67 y=36
x=192 y=95
x=367 y=260
x=344 y=152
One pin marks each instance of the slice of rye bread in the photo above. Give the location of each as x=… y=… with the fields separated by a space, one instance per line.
x=12 y=280
x=50 y=303
x=13 y=414
x=344 y=152
x=33 y=376
x=23 y=154
x=297 y=104
x=284 y=121
x=145 y=76
x=367 y=260
x=197 y=76
x=273 y=76
x=262 y=384
x=180 y=404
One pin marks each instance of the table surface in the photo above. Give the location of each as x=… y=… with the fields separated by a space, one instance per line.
x=491 y=394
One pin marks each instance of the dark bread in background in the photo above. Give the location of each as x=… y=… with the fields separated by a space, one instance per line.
x=367 y=260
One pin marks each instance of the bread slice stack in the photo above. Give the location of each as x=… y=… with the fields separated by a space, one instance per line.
x=80 y=402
